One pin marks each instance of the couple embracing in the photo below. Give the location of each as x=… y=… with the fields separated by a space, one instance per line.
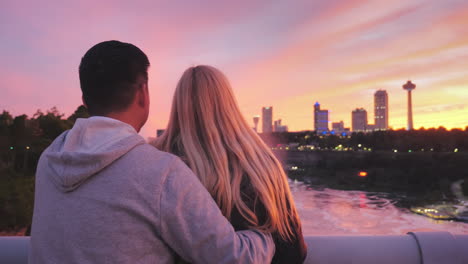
x=209 y=191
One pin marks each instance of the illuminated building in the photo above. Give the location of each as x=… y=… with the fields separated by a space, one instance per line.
x=381 y=110
x=320 y=119
x=267 y=119
x=338 y=127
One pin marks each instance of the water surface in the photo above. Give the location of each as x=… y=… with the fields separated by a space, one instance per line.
x=335 y=212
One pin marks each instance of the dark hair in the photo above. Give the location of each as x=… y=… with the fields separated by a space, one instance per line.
x=108 y=76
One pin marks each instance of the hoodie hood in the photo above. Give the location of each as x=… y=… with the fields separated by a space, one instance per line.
x=86 y=149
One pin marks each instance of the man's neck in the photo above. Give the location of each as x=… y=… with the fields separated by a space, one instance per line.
x=127 y=118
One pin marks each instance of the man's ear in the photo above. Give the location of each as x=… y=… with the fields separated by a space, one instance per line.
x=142 y=93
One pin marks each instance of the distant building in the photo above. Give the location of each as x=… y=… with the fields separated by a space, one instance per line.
x=381 y=110
x=267 y=119
x=278 y=127
x=371 y=127
x=338 y=127
x=159 y=132
x=320 y=119
x=359 y=120
x=256 y=119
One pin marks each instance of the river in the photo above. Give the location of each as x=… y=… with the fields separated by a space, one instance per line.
x=335 y=212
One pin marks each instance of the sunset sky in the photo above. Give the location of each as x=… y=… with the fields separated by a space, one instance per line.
x=285 y=54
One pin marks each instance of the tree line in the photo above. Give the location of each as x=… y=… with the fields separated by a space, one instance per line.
x=22 y=140
x=432 y=139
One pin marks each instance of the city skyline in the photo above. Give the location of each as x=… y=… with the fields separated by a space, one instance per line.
x=359 y=116
x=273 y=53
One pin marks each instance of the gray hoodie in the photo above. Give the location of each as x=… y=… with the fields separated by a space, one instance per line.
x=105 y=196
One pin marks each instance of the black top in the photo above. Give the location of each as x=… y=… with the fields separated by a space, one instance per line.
x=286 y=252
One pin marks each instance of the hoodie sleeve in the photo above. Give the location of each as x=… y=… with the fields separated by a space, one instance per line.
x=194 y=227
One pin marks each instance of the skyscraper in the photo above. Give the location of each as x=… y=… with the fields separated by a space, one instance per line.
x=409 y=86
x=267 y=119
x=320 y=119
x=359 y=120
x=381 y=110
x=256 y=119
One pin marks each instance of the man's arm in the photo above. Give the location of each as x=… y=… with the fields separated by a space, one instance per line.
x=194 y=227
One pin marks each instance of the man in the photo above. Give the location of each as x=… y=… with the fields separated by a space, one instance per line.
x=104 y=196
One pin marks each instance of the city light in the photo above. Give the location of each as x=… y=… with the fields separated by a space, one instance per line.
x=456 y=150
x=395 y=150
x=11 y=148
x=27 y=147
x=433 y=213
x=362 y=174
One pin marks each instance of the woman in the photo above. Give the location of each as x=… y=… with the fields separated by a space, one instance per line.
x=207 y=130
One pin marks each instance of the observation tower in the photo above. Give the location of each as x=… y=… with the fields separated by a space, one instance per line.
x=409 y=86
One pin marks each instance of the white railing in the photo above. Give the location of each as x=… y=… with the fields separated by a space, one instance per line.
x=413 y=248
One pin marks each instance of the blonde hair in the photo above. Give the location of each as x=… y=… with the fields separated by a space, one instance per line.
x=207 y=129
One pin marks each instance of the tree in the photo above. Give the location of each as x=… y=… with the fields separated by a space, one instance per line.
x=5 y=119
x=52 y=124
